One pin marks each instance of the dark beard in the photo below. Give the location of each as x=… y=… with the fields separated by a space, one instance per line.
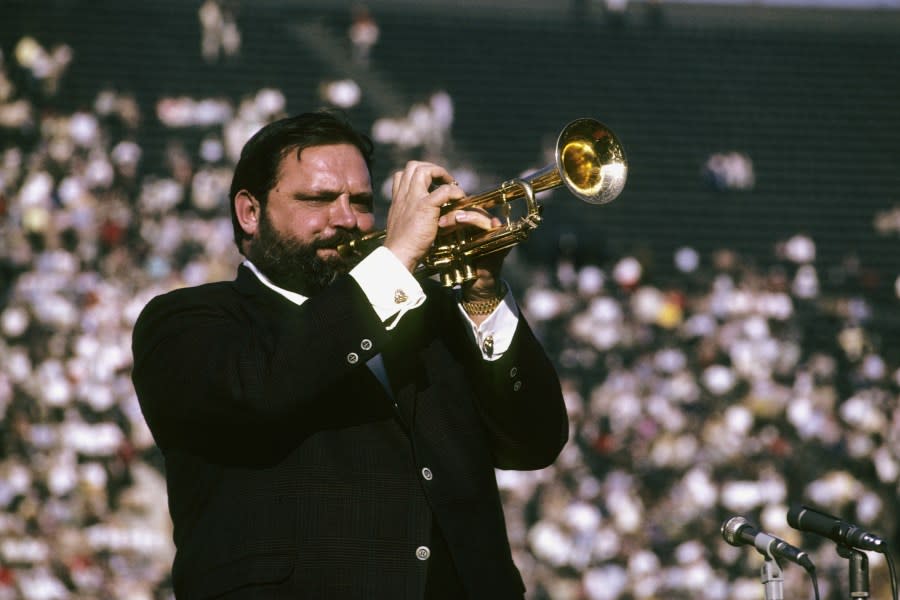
x=293 y=265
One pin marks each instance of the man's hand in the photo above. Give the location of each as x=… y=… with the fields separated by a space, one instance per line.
x=486 y=286
x=487 y=268
x=412 y=221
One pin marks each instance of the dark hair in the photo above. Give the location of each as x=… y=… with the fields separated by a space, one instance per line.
x=257 y=169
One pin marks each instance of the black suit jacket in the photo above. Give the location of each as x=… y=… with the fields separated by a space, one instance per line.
x=290 y=467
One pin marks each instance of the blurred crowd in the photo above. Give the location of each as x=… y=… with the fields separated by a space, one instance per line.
x=735 y=388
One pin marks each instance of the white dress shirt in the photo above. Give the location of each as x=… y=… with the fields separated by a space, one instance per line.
x=393 y=291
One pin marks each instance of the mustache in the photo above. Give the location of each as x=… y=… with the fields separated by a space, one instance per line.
x=342 y=236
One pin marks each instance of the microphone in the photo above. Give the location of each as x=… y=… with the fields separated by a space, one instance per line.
x=809 y=519
x=737 y=531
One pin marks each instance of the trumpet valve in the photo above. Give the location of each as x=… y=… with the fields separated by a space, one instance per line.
x=468 y=272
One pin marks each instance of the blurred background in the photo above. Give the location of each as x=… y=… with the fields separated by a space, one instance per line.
x=727 y=331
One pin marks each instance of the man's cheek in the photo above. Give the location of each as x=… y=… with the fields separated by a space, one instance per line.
x=366 y=222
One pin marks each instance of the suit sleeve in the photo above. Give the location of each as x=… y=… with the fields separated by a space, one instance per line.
x=207 y=357
x=521 y=404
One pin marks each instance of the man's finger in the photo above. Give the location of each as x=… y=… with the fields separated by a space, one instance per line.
x=471 y=218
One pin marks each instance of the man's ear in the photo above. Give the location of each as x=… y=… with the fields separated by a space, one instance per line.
x=247 y=209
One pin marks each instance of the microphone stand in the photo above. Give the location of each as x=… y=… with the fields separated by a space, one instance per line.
x=772 y=578
x=859 y=570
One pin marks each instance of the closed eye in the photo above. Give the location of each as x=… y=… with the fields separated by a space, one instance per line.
x=362 y=202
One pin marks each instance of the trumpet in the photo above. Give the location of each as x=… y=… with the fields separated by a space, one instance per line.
x=589 y=161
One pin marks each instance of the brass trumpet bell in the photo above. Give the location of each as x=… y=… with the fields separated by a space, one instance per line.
x=590 y=162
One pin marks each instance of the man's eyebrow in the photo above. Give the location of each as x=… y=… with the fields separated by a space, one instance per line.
x=331 y=194
x=316 y=194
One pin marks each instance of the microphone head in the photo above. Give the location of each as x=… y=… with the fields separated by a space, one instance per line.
x=794 y=514
x=731 y=528
x=806 y=518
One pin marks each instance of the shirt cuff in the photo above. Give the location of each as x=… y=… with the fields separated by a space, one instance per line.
x=391 y=288
x=495 y=334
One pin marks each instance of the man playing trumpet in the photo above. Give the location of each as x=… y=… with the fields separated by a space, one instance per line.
x=331 y=424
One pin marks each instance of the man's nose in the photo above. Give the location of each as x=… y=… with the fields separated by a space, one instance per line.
x=342 y=213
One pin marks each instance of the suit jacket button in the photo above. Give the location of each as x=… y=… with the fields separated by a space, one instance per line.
x=427 y=474
x=353 y=358
x=513 y=372
x=517 y=386
x=423 y=552
x=366 y=344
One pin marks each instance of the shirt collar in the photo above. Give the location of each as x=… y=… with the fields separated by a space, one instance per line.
x=294 y=297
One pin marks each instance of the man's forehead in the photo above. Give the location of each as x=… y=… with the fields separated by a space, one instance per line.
x=326 y=165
